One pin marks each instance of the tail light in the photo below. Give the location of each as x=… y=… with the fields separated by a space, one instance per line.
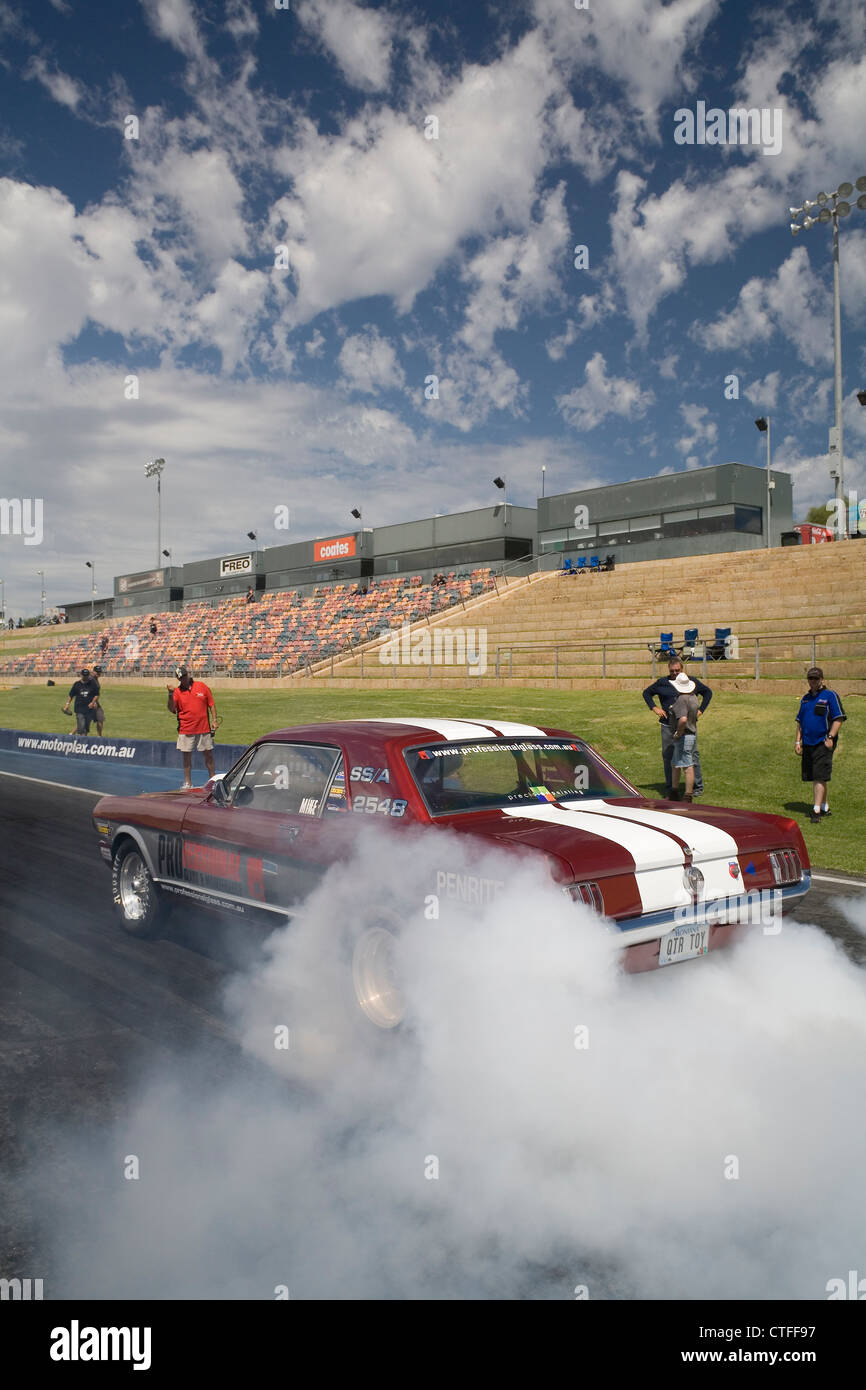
x=786 y=865
x=588 y=893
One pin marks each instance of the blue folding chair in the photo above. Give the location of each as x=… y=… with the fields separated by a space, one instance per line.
x=581 y=564
x=566 y=565
x=690 y=640
x=593 y=564
x=666 y=644
x=718 y=648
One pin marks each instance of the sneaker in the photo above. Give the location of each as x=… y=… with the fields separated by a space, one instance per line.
x=828 y=812
x=815 y=817
x=688 y=796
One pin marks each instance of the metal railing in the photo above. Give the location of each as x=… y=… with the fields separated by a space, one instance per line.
x=591 y=651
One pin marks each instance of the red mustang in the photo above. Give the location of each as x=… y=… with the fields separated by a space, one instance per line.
x=673 y=880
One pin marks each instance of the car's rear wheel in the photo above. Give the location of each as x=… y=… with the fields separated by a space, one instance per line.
x=137 y=900
x=375 y=978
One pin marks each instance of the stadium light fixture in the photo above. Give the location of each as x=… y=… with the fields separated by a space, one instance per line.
x=92 y=569
x=154 y=470
x=355 y=512
x=252 y=535
x=833 y=206
x=764 y=426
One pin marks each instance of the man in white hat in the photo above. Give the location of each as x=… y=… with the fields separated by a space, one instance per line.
x=683 y=718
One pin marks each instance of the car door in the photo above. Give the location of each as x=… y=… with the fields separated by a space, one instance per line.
x=259 y=845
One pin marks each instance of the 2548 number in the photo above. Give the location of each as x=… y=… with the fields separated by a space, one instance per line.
x=385 y=805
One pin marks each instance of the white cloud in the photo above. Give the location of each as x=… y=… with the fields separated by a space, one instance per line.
x=313 y=346
x=470 y=388
x=668 y=366
x=59 y=85
x=793 y=302
x=378 y=209
x=369 y=363
x=641 y=45
x=558 y=345
x=515 y=274
x=764 y=394
x=699 y=429
x=359 y=39
x=586 y=406
x=174 y=21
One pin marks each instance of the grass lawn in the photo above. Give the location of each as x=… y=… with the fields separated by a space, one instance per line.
x=746 y=741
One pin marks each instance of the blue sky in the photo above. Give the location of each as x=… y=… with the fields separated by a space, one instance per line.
x=301 y=385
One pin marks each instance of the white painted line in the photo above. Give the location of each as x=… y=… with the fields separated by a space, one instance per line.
x=831 y=878
x=46 y=782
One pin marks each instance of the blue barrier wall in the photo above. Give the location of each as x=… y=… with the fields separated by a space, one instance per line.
x=105 y=764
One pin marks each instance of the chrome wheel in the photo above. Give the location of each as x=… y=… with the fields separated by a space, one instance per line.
x=374 y=976
x=135 y=888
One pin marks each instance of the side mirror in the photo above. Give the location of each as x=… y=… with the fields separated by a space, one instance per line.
x=218 y=791
x=243 y=796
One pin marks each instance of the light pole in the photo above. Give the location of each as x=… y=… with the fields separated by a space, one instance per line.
x=543 y=471
x=500 y=483
x=154 y=470
x=831 y=211
x=764 y=426
x=92 y=569
x=41 y=574
x=3 y=599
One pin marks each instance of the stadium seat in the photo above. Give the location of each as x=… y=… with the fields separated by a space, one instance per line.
x=594 y=565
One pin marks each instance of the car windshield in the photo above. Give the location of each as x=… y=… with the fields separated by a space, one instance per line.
x=504 y=773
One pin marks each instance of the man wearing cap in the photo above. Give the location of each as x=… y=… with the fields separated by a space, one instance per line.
x=683 y=721
x=819 y=720
x=85 y=693
x=664 y=691
x=194 y=706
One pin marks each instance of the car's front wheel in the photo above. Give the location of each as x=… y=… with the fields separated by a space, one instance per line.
x=136 y=897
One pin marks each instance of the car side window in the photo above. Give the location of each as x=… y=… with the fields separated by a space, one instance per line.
x=337 y=799
x=289 y=778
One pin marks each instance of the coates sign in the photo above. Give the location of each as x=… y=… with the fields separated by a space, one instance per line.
x=236 y=564
x=341 y=548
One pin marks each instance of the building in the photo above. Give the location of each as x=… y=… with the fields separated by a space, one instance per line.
x=697 y=512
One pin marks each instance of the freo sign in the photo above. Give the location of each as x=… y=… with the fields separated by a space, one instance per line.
x=342 y=548
x=236 y=564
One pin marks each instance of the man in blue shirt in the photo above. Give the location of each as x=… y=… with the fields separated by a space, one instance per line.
x=666 y=692
x=819 y=720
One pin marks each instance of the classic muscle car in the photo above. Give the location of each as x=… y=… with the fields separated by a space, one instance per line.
x=672 y=880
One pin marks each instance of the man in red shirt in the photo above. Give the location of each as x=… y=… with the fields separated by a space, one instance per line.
x=194 y=706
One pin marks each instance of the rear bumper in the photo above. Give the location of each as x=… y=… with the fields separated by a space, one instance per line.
x=759 y=908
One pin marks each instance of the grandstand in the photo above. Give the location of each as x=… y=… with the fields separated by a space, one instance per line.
x=283 y=632
x=788 y=607
x=801 y=605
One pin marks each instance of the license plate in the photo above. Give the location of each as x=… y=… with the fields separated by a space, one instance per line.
x=684 y=943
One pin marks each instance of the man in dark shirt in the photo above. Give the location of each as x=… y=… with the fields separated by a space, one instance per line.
x=666 y=692
x=85 y=693
x=819 y=720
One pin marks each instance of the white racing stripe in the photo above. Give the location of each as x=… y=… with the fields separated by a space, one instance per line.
x=704 y=839
x=457 y=729
x=712 y=849
x=510 y=729
x=658 y=860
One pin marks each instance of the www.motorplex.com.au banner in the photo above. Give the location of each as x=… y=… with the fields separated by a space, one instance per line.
x=138 y=752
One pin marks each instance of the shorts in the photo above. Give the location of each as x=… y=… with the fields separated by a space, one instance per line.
x=83 y=720
x=816 y=762
x=99 y=714
x=684 y=751
x=189 y=743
